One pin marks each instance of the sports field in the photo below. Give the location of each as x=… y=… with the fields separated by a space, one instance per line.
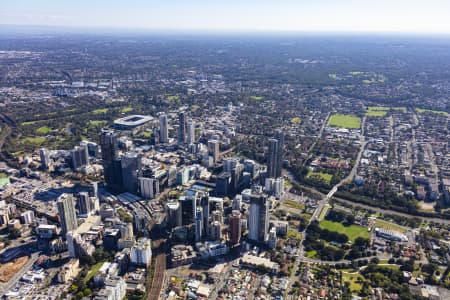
x=345 y=121
x=352 y=231
x=321 y=176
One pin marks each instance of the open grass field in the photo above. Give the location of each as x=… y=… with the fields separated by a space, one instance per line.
x=34 y=140
x=321 y=176
x=388 y=225
x=94 y=270
x=352 y=279
x=100 y=111
x=43 y=130
x=311 y=254
x=437 y=112
x=376 y=113
x=97 y=122
x=126 y=109
x=172 y=98
x=294 y=204
x=345 y=121
x=295 y=120
x=256 y=98
x=294 y=234
x=352 y=231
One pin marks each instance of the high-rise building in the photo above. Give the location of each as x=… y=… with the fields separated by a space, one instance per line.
x=214 y=150
x=163 y=129
x=85 y=205
x=141 y=252
x=204 y=203
x=199 y=224
x=235 y=227
x=27 y=217
x=190 y=132
x=223 y=184
x=182 y=128
x=237 y=203
x=111 y=165
x=272 y=239
x=45 y=158
x=131 y=171
x=67 y=214
x=258 y=219
x=174 y=216
x=275 y=158
x=80 y=156
x=215 y=231
x=149 y=187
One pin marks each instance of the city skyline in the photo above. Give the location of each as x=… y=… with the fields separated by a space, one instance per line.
x=291 y=16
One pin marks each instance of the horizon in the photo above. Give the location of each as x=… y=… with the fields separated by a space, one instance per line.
x=347 y=16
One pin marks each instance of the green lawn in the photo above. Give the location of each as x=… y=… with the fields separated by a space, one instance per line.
x=311 y=254
x=294 y=204
x=97 y=122
x=43 y=130
x=256 y=98
x=34 y=140
x=295 y=120
x=173 y=98
x=355 y=73
x=126 y=109
x=100 y=111
x=93 y=271
x=352 y=231
x=345 y=121
x=377 y=113
x=437 y=112
x=323 y=212
x=294 y=234
x=388 y=225
x=332 y=76
x=29 y=123
x=352 y=279
x=321 y=176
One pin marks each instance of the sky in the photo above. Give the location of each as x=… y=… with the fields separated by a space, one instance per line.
x=411 y=16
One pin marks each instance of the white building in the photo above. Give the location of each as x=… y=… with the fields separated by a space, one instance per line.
x=141 y=252
x=149 y=187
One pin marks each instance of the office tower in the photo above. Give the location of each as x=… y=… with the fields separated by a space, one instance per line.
x=85 y=205
x=217 y=215
x=141 y=253
x=182 y=128
x=235 y=227
x=131 y=171
x=258 y=219
x=214 y=150
x=171 y=175
x=45 y=158
x=174 y=216
x=80 y=156
x=237 y=203
x=67 y=214
x=215 y=231
x=275 y=158
x=272 y=239
x=94 y=190
x=109 y=147
x=230 y=164
x=163 y=129
x=190 y=132
x=199 y=224
x=279 y=135
x=149 y=187
x=188 y=210
x=204 y=203
x=223 y=183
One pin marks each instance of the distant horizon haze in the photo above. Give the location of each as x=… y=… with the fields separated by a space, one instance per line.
x=283 y=16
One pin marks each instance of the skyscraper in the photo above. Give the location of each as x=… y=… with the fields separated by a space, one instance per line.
x=174 y=218
x=109 y=147
x=45 y=158
x=84 y=203
x=67 y=214
x=235 y=227
x=214 y=149
x=182 y=128
x=80 y=156
x=190 y=132
x=199 y=224
x=275 y=158
x=258 y=219
x=131 y=171
x=163 y=129
x=149 y=187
